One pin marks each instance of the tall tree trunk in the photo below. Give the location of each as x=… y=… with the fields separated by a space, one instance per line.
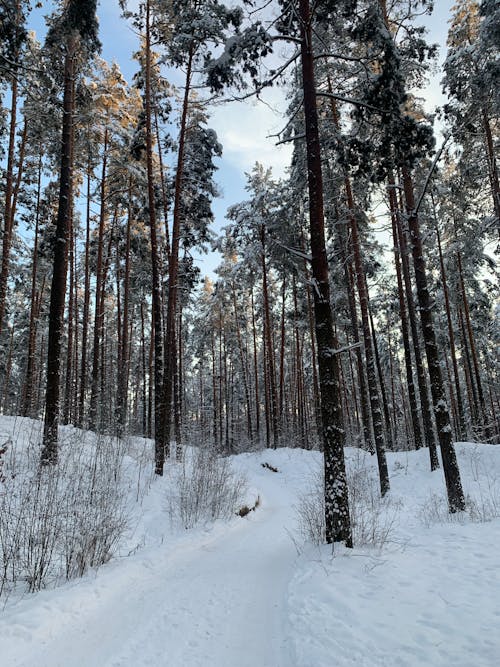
x=58 y=287
x=68 y=389
x=11 y=194
x=337 y=521
x=376 y=412
x=365 y=409
x=371 y=391
x=317 y=402
x=145 y=430
x=451 y=339
x=421 y=374
x=383 y=392
x=123 y=364
x=86 y=307
x=214 y=392
x=492 y=167
x=469 y=378
x=98 y=313
x=282 y=351
x=255 y=366
x=412 y=397
x=472 y=342
x=161 y=444
x=268 y=341
x=27 y=406
x=456 y=499
x=243 y=366
x=173 y=264
x=9 y=184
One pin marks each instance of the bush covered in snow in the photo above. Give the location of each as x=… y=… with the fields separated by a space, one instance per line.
x=204 y=489
x=58 y=521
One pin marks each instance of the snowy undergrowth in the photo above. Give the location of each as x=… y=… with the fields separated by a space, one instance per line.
x=429 y=596
x=481 y=488
x=372 y=517
x=236 y=593
x=57 y=522
x=203 y=489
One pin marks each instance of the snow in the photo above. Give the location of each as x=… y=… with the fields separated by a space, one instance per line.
x=249 y=593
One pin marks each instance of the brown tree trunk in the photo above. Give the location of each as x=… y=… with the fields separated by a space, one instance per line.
x=467 y=364
x=456 y=499
x=317 y=402
x=68 y=389
x=173 y=264
x=421 y=374
x=412 y=397
x=8 y=208
x=383 y=392
x=376 y=412
x=86 y=309
x=363 y=390
x=462 y=429
x=268 y=341
x=98 y=312
x=282 y=352
x=255 y=367
x=161 y=443
x=243 y=367
x=145 y=430
x=27 y=406
x=470 y=334
x=58 y=287
x=164 y=195
x=123 y=356
x=492 y=168
x=214 y=392
x=337 y=521
x=369 y=395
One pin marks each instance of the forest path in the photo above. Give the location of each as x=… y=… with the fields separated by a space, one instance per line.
x=214 y=599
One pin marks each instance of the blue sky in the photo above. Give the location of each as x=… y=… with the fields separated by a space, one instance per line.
x=243 y=128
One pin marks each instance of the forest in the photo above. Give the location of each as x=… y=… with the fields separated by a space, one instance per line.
x=356 y=298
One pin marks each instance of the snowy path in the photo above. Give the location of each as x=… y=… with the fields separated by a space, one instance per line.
x=217 y=599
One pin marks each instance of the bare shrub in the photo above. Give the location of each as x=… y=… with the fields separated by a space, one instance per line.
x=205 y=488
x=372 y=517
x=482 y=500
x=59 y=521
x=310 y=511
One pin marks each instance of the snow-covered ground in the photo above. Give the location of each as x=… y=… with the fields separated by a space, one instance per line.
x=249 y=593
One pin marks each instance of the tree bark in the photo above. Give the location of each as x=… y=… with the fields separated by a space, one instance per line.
x=30 y=367
x=98 y=312
x=492 y=168
x=268 y=341
x=123 y=356
x=456 y=499
x=173 y=264
x=451 y=339
x=161 y=444
x=337 y=521
x=58 y=287
x=376 y=412
x=421 y=375
x=412 y=397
